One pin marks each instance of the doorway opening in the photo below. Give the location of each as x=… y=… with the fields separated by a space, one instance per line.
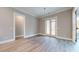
x=19 y=25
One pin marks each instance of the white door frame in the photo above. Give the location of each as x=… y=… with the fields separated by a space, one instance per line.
x=74 y=24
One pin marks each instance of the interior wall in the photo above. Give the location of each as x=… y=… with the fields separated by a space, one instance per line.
x=6 y=24
x=19 y=24
x=64 y=24
x=31 y=27
x=41 y=26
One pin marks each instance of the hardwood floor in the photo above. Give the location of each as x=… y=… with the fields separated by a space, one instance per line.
x=39 y=44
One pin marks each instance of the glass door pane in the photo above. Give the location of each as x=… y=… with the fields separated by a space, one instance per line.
x=48 y=27
x=53 y=26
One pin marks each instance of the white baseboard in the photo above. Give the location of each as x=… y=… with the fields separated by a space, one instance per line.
x=30 y=36
x=41 y=34
x=73 y=41
x=57 y=37
x=6 y=41
x=63 y=38
x=20 y=36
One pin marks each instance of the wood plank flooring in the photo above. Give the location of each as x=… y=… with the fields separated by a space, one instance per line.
x=39 y=44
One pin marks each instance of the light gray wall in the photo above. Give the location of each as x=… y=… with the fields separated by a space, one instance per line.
x=64 y=24
x=30 y=25
x=19 y=24
x=6 y=24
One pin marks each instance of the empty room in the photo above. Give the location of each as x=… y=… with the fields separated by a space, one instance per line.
x=39 y=29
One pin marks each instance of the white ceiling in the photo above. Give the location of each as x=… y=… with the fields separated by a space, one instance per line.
x=39 y=11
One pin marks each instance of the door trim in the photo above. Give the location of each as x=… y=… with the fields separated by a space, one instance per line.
x=74 y=24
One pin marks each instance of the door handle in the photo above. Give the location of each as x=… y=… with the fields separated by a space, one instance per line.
x=77 y=28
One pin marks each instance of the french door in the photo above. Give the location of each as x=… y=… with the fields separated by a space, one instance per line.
x=47 y=29
x=51 y=27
